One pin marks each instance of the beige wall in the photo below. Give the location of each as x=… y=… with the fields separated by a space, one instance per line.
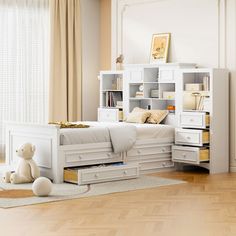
x=105 y=34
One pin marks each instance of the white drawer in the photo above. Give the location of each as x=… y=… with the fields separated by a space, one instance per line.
x=90 y=157
x=141 y=151
x=101 y=174
x=194 y=120
x=147 y=166
x=108 y=115
x=191 y=137
x=192 y=155
x=166 y=76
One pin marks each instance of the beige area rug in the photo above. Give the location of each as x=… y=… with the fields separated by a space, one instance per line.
x=21 y=195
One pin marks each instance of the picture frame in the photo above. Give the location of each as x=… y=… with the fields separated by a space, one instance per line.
x=160 y=48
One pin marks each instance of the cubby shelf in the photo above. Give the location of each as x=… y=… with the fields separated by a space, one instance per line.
x=160 y=78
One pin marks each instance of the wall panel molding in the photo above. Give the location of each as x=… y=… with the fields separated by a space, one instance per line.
x=119 y=9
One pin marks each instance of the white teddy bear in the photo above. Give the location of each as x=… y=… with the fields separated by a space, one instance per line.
x=27 y=170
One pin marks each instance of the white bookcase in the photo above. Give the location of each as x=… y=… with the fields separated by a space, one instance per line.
x=141 y=79
x=111 y=96
x=202 y=137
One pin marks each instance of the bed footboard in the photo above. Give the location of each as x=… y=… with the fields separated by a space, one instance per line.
x=46 y=140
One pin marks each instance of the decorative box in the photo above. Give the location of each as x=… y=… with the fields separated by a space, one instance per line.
x=154 y=93
x=193 y=87
x=168 y=95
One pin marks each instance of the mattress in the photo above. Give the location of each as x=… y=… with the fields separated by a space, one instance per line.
x=98 y=132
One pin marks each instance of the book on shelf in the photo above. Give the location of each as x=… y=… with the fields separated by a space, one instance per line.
x=112 y=98
x=117 y=84
x=203 y=103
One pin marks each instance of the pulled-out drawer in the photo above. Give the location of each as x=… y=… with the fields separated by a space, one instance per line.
x=97 y=174
x=81 y=158
x=192 y=155
x=194 y=120
x=192 y=137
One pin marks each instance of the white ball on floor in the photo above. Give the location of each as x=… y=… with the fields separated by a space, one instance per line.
x=42 y=187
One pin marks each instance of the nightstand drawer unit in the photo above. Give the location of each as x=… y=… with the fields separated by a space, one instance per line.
x=192 y=137
x=192 y=140
x=192 y=155
x=199 y=120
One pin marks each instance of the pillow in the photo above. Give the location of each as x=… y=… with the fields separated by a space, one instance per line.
x=156 y=117
x=138 y=116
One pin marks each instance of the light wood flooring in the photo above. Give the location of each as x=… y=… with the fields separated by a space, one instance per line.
x=204 y=206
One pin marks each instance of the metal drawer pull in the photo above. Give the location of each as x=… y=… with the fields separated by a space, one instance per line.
x=191 y=120
x=163 y=149
x=184 y=155
x=188 y=137
x=80 y=157
x=109 y=154
x=125 y=172
x=96 y=176
x=164 y=164
x=139 y=151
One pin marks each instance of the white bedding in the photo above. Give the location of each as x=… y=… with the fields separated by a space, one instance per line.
x=99 y=132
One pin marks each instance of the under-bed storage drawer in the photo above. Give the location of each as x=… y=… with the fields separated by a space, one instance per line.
x=148 y=166
x=151 y=158
x=192 y=155
x=101 y=174
x=194 y=120
x=191 y=137
x=90 y=157
x=141 y=151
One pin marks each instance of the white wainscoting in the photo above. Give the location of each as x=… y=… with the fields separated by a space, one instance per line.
x=202 y=31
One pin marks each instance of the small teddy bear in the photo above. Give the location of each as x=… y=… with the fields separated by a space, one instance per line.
x=27 y=170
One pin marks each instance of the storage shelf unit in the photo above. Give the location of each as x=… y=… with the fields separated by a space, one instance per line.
x=141 y=79
x=111 y=96
x=203 y=116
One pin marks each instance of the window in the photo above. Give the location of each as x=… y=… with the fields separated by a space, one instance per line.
x=24 y=61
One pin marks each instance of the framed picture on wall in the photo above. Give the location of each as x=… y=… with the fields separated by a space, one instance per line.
x=160 y=48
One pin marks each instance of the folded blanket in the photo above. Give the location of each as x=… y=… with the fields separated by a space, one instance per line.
x=122 y=137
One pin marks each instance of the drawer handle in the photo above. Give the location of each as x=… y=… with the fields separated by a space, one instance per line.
x=109 y=154
x=138 y=151
x=80 y=157
x=191 y=120
x=188 y=137
x=163 y=149
x=125 y=172
x=96 y=176
x=164 y=164
x=184 y=155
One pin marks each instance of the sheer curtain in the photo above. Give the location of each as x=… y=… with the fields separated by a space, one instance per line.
x=24 y=62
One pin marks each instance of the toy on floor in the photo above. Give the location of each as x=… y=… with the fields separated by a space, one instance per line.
x=42 y=187
x=27 y=170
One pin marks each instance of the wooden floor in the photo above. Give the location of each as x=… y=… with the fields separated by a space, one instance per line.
x=204 y=206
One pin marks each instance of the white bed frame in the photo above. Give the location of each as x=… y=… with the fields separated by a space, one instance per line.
x=52 y=157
